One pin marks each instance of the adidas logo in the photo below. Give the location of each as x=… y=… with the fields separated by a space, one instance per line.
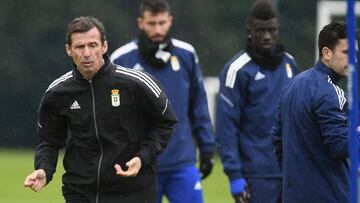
x=197 y=186
x=259 y=76
x=75 y=105
x=138 y=67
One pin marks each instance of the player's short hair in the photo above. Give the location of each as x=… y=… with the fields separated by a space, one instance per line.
x=262 y=10
x=83 y=24
x=330 y=35
x=154 y=6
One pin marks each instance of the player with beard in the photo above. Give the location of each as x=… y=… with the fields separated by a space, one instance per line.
x=250 y=87
x=176 y=65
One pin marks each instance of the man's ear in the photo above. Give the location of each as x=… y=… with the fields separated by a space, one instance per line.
x=68 y=50
x=105 y=47
x=139 y=23
x=326 y=53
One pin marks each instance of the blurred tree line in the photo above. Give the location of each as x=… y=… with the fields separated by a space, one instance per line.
x=33 y=37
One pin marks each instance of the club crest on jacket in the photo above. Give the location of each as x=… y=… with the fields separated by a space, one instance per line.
x=115 y=97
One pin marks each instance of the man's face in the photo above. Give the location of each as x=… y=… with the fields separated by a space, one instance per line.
x=87 y=51
x=264 y=33
x=338 y=58
x=156 y=26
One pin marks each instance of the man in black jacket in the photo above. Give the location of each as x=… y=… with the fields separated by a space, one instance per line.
x=114 y=122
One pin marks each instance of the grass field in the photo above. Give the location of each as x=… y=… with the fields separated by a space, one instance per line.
x=17 y=164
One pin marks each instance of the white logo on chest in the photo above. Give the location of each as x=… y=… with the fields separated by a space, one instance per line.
x=75 y=105
x=138 y=67
x=259 y=76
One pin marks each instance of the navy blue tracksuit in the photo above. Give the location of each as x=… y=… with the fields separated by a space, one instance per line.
x=246 y=107
x=311 y=138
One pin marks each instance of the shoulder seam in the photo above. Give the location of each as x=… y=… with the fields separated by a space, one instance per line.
x=123 y=50
x=60 y=80
x=234 y=67
x=141 y=76
x=186 y=46
x=289 y=55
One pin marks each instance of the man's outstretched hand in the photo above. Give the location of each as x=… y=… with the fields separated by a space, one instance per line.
x=36 y=180
x=133 y=165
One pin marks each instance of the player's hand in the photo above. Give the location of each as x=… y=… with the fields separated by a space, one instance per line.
x=239 y=190
x=206 y=164
x=243 y=197
x=133 y=165
x=36 y=180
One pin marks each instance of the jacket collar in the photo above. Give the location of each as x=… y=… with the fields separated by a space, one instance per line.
x=100 y=72
x=335 y=78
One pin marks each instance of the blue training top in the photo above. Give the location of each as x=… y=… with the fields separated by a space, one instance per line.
x=245 y=114
x=311 y=137
x=183 y=83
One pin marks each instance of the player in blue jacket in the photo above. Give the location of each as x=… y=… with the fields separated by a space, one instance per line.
x=176 y=65
x=250 y=87
x=311 y=129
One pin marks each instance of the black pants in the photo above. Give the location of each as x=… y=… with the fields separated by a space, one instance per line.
x=89 y=196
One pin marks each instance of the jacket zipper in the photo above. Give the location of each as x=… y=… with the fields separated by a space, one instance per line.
x=98 y=139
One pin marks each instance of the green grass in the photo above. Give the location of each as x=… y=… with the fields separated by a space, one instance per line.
x=17 y=164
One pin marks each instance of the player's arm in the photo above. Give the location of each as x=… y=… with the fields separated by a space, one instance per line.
x=230 y=104
x=200 y=120
x=52 y=131
x=156 y=108
x=331 y=117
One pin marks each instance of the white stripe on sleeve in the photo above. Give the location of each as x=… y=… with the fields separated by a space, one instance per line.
x=123 y=50
x=340 y=94
x=150 y=83
x=59 y=80
x=234 y=68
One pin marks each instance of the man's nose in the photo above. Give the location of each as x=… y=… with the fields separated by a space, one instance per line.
x=86 y=51
x=157 y=29
x=267 y=35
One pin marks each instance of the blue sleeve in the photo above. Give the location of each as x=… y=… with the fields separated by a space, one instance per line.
x=125 y=60
x=199 y=112
x=332 y=120
x=230 y=104
x=120 y=61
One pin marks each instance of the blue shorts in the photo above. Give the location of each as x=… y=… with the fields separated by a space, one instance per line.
x=180 y=186
x=265 y=190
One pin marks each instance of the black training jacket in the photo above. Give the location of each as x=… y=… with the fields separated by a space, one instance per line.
x=119 y=114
